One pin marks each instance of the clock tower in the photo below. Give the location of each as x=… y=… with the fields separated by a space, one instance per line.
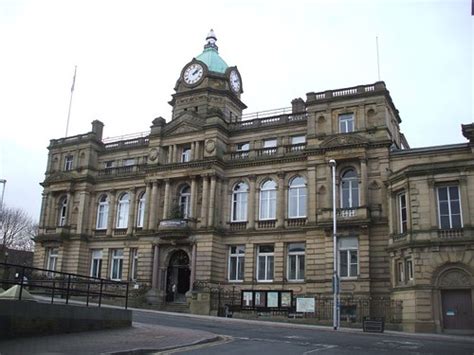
x=208 y=87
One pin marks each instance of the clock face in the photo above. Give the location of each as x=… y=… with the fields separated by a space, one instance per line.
x=234 y=81
x=193 y=73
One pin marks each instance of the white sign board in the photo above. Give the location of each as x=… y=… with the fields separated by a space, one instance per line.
x=305 y=305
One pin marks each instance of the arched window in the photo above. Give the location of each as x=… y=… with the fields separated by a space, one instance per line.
x=122 y=211
x=185 y=201
x=239 y=202
x=102 y=212
x=141 y=210
x=62 y=211
x=349 y=189
x=297 y=198
x=268 y=200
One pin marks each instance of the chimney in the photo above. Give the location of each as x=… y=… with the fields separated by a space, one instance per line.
x=97 y=128
x=298 y=105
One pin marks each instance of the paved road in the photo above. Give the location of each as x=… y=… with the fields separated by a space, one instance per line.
x=278 y=338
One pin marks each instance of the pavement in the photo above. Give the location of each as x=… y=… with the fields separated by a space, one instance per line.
x=138 y=339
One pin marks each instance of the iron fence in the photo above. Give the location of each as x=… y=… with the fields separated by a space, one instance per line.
x=61 y=285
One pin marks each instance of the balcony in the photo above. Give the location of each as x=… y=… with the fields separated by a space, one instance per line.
x=266 y=151
x=237 y=226
x=176 y=224
x=344 y=215
x=266 y=224
x=450 y=233
x=122 y=170
x=295 y=148
x=295 y=222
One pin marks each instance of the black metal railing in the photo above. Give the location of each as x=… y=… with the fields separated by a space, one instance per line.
x=61 y=285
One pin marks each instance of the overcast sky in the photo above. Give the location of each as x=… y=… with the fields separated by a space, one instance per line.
x=130 y=53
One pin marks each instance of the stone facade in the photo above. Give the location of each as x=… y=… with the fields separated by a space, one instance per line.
x=246 y=201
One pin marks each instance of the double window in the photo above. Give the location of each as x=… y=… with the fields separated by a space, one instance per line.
x=404 y=270
x=449 y=207
x=348 y=256
x=268 y=200
x=265 y=264
x=239 y=202
x=296 y=255
x=116 y=265
x=236 y=263
x=297 y=198
x=346 y=123
x=96 y=263
x=349 y=189
x=102 y=212
x=122 y=211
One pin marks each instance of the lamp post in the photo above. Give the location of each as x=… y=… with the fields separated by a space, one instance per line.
x=335 y=275
x=4 y=182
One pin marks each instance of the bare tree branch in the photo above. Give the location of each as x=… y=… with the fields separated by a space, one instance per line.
x=16 y=229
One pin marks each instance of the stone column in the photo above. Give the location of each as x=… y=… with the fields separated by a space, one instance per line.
x=193 y=266
x=166 y=199
x=44 y=209
x=432 y=203
x=280 y=203
x=147 y=206
x=193 y=197
x=311 y=195
x=204 y=204
x=198 y=151
x=251 y=202
x=131 y=212
x=111 y=216
x=363 y=182
x=155 y=282
x=92 y=206
x=69 y=204
x=153 y=204
x=212 y=202
x=193 y=150
x=170 y=154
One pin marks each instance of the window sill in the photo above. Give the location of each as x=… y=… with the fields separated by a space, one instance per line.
x=349 y=278
x=264 y=281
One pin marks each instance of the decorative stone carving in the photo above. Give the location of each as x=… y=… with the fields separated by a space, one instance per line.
x=454 y=278
x=210 y=145
x=153 y=154
x=342 y=140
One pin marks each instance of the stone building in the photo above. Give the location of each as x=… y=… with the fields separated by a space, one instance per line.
x=245 y=200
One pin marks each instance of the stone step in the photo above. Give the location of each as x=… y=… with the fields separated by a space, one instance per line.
x=176 y=307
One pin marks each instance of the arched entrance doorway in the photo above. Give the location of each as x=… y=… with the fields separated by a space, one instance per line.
x=177 y=283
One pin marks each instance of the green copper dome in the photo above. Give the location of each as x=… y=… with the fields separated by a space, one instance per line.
x=210 y=55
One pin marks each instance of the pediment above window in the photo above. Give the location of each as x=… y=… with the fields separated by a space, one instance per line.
x=343 y=140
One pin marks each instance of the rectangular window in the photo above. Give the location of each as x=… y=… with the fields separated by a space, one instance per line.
x=270 y=143
x=52 y=258
x=402 y=213
x=68 y=163
x=236 y=263
x=409 y=269
x=400 y=272
x=298 y=140
x=116 y=265
x=265 y=257
x=449 y=207
x=346 y=123
x=243 y=149
x=133 y=264
x=348 y=256
x=295 y=267
x=96 y=263
x=109 y=164
x=128 y=162
x=185 y=154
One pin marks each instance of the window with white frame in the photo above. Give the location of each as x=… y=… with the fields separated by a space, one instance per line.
x=270 y=146
x=96 y=263
x=243 y=149
x=186 y=154
x=185 y=201
x=298 y=140
x=349 y=189
x=133 y=264
x=449 y=207
x=236 y=263
x=141 y=210
x=116 y=264
x=267 y=200
x=295 y=267
x=402 y=212
x=122 y=211
x=240 y=202
x=52 y=258
x=297 y=198
x=102 y=212
x=348 y=257
x=68 y=163
x=265 y=256
x=128 y=162
x=62 y=220
x=346 y=123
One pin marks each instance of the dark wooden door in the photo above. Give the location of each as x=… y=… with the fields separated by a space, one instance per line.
x=457 y=309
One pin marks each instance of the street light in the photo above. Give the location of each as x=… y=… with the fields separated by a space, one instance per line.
x=335 y=278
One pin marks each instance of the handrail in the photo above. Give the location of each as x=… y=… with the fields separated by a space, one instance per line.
x=63 y=283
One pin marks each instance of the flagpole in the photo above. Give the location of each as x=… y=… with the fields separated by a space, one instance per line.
x=378 y=58
x=70 y=100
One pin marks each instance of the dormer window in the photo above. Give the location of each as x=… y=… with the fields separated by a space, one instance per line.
x=346 y=123
x=68 y=163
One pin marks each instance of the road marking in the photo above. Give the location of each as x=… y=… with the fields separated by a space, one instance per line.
x=225 y=340
x=320 y=347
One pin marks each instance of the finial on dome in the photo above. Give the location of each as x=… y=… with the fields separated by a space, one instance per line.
x=211 y=40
